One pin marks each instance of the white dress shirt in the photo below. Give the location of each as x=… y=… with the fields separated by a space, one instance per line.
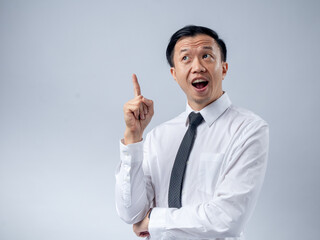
x=223 y=177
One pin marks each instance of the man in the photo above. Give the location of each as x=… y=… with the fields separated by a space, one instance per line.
x=198 y=175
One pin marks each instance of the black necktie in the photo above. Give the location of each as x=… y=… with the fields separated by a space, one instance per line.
x=179 y=167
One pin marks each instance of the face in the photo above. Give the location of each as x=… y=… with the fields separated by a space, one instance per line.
x=199 y=70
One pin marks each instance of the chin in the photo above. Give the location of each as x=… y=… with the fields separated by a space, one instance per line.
x=200 y=103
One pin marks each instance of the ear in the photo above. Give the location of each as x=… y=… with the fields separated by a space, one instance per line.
x=173 y=73
x=224 y=69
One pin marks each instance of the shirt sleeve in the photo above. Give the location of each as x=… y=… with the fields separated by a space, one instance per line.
x=233 y=201
x=133 y=192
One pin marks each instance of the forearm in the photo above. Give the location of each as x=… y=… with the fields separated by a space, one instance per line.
x=223 y=217
x=203 y=221
x=131 y=191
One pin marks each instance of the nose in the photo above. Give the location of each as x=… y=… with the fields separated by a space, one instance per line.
x=197 y=66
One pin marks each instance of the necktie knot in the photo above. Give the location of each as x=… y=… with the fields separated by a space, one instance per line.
x=195 y=119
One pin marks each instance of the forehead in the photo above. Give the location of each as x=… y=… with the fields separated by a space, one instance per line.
x=198 y=41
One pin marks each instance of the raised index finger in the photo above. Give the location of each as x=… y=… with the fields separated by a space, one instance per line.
x=136 y=86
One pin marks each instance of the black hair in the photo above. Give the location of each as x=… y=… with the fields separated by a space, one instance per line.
x=191 y=31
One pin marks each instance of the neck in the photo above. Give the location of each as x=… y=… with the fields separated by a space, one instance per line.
x=199 y=106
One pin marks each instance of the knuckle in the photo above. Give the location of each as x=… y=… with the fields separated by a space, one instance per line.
x=138 y=100
x=135 y=108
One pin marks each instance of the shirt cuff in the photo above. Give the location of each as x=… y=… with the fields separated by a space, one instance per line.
x=157 y=223
x=131 y=153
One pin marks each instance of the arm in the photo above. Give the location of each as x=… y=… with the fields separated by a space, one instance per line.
x=133 y=187
x=234 y=199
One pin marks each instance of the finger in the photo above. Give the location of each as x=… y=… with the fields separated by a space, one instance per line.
x=133 y=108
x=136 y=106
x=136 y=86
x=141 y=111
x=145 y=109
x=148 y=102
x=136 y=114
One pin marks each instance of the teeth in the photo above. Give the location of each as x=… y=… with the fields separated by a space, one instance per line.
x=199 y=81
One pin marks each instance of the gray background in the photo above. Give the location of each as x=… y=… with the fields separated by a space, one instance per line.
x=65 y=73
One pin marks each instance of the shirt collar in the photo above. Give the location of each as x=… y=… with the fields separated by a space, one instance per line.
x=213 y=111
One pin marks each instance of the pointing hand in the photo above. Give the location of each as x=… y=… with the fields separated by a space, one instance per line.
x=137 y=114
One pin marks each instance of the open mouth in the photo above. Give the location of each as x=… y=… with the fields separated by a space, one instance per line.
x=200 y=83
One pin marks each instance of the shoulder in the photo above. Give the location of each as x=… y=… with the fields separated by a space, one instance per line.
x=246 y=123
x=239 y=122
x=245 y=116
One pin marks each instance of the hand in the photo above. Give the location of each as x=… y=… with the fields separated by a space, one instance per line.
x=141 y=228
x=137 y=114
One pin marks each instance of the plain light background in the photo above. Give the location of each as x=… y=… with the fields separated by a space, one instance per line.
x=65 y=73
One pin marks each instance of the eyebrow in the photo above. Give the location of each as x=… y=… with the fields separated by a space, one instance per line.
x=186 y=49
x=183 y=50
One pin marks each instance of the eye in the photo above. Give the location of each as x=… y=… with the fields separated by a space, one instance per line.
x=185 y=58
x=205 y=56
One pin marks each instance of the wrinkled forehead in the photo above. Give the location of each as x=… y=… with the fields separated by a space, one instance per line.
x=198 y=41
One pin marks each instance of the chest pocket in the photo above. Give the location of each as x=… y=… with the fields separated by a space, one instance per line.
x=209 y=169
